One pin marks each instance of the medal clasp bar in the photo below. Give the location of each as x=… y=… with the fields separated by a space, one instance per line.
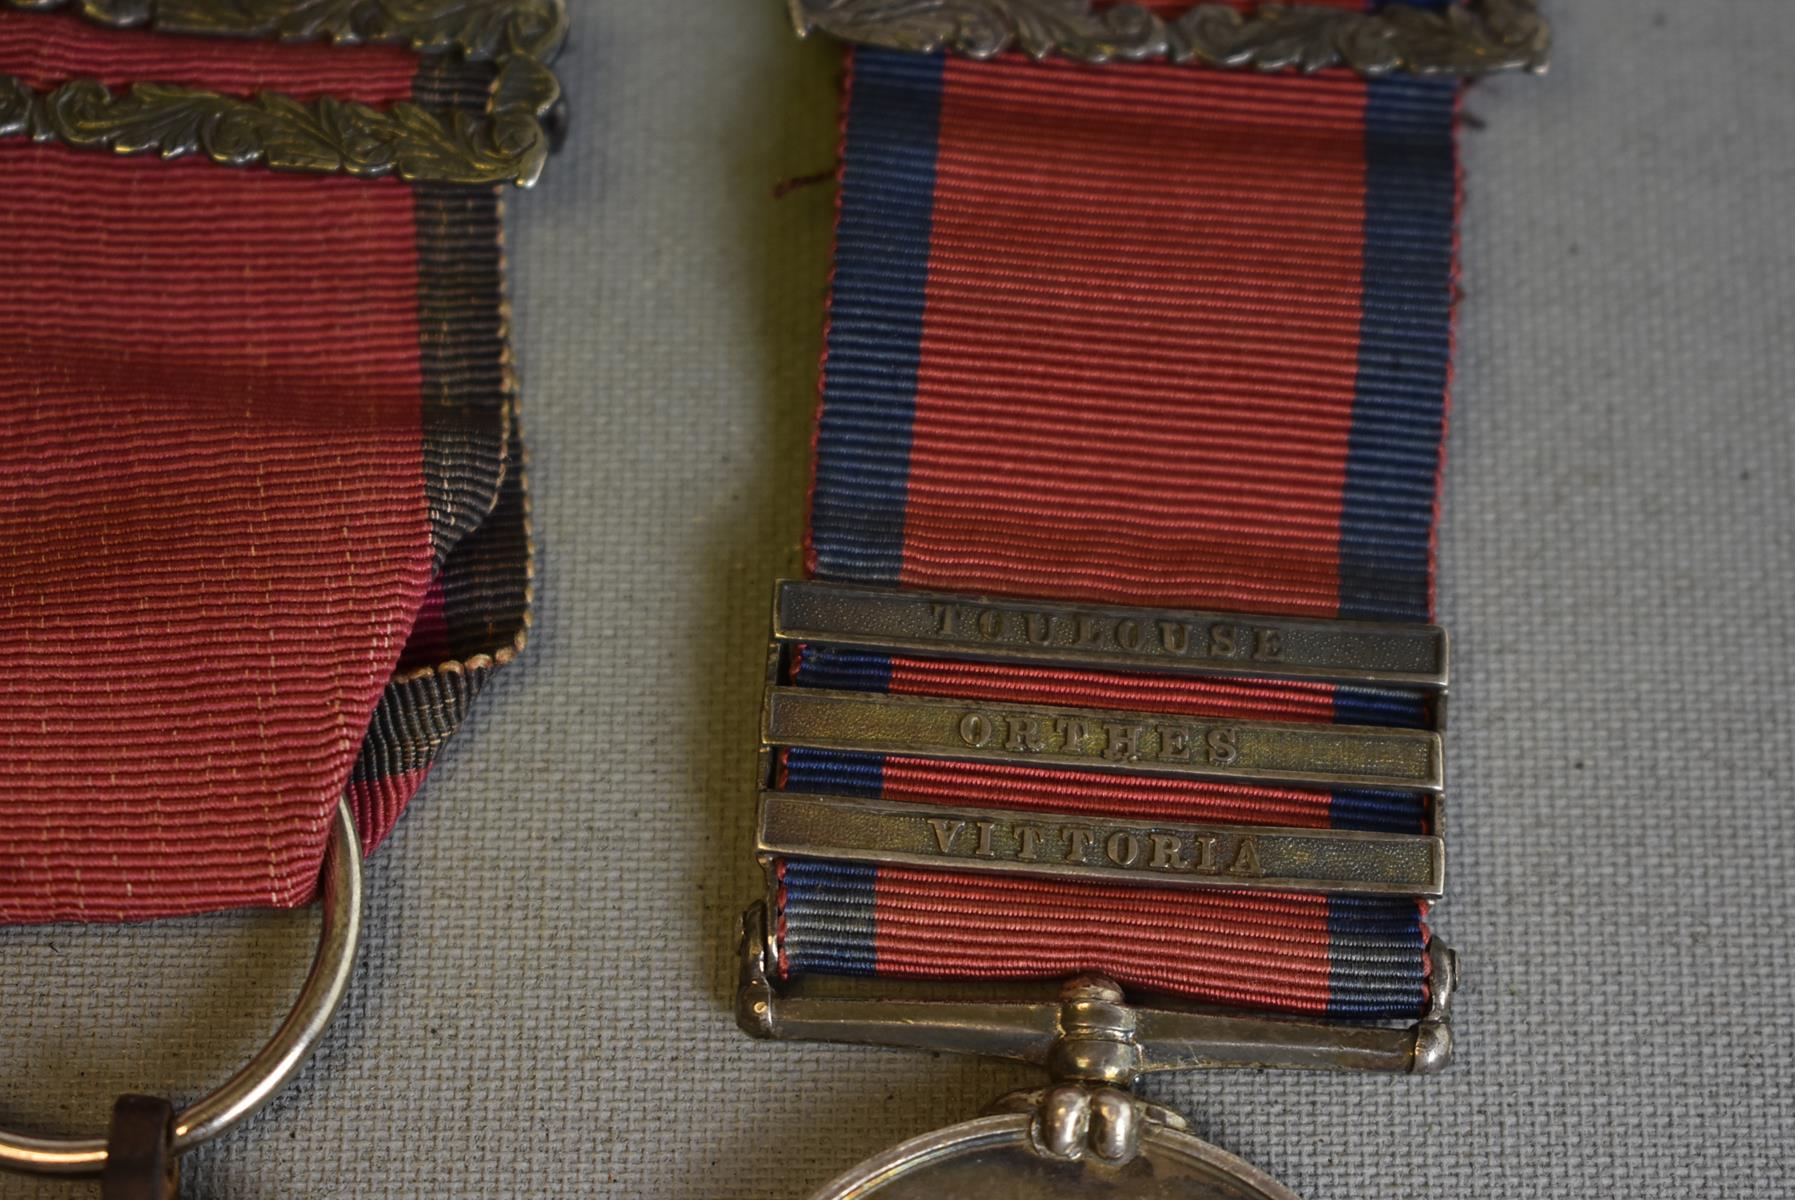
x=1070 y=845
x=1112 y=637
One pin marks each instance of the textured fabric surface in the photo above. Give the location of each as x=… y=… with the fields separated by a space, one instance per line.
x=213 y=523
x=1150 y=335
x=222 y=512
x=542 y=1009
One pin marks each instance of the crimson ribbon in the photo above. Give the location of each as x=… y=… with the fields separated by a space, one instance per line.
x=262 y=523
x=1144 y=334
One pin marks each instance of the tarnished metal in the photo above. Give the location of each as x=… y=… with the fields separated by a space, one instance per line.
x=1086 y=1134
x=509 y=141
x=1090 y=1034
x=1112 y=637
x=1078 y=846
x=323 y=135
x=1479 y=38
x=479 y=30
x=246 y=1092
x=1302 y=755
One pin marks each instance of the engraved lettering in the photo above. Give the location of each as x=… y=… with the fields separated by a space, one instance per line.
x=1205 y=863
x=1073 y=734
x=983 y=849
x=1124 y=743
x=945 y=832
x=1024 y=844
x=976 y=730
x=1174 y=743
x=1175 y=637
x=1167 y=855
x=1224 y=747
x=1026 y=734
x=1123 y=848
x=1069 y=635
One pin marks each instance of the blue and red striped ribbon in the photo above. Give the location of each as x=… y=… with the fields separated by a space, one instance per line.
x=1140 y=334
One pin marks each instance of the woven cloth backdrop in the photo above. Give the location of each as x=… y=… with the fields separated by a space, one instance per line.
x=542 y=1008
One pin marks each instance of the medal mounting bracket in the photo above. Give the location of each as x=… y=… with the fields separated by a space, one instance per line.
x=1093 y=1039
x=1090 y=1033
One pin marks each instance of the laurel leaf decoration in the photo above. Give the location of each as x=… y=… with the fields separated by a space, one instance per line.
x=508 y=141
x=481 y=30
x=1308 y=39
x=1477 y=38
x=123 y=13
x=1070 y=27
x=18 y=106
x=285 y=134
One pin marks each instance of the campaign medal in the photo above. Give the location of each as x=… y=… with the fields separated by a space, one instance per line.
x=1105 y=732
x=263 y=514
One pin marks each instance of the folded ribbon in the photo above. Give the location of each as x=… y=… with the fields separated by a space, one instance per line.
x=263 y=528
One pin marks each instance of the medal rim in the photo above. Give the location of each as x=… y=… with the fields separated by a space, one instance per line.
x=908 y=1158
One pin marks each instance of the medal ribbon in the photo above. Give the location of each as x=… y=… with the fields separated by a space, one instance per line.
x=262 y=522
x=1143 y=334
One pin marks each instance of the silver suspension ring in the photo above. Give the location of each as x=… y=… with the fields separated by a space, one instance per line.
x=245 y=1093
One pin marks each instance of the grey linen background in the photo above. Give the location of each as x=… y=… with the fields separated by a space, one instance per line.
x=542 y=1008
